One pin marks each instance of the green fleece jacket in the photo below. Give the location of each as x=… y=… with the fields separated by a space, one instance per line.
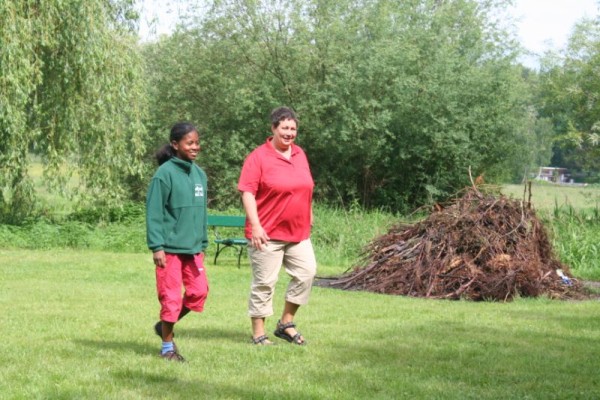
x=176 y=208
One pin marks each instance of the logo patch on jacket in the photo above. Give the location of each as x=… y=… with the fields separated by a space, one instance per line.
x=199 y=190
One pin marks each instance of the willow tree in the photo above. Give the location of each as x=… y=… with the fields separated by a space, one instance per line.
x=71 y=92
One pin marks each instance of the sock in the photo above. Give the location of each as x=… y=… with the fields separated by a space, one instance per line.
x=166 y=347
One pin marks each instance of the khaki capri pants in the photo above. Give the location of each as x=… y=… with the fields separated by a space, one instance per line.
x=300 y=264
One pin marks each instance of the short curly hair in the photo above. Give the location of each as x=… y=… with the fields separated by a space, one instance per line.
x=281 y=114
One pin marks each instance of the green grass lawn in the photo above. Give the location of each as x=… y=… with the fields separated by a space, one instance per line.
x=78 y=324
x=548 y=197
x=49 y=200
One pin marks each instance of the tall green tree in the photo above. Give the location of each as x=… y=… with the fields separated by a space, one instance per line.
x=397 y=99
x=569 y=89
x=72 y=93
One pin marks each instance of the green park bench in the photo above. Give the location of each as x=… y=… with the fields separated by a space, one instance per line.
x=223 y=242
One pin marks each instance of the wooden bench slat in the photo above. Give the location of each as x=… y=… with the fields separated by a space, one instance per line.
x=234 y=221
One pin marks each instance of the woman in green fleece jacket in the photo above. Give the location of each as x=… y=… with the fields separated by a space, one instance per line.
x=176 y=231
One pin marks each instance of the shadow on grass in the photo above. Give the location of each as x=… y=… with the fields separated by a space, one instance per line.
x=208 y=333
x=233 y=335
x=122 y=346
x=155 y=385
x=138 y=383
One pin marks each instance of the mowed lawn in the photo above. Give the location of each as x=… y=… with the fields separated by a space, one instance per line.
x=78 y=325
x=548 y=197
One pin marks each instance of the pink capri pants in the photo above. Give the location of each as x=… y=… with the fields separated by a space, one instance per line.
x=185 y=270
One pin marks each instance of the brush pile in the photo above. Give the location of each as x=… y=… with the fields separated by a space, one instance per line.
x=479 y=247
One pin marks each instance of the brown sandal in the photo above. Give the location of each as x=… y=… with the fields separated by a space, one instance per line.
x=281 y=333
x=262 y=340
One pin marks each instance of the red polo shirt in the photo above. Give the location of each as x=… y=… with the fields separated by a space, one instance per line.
x=283 y=190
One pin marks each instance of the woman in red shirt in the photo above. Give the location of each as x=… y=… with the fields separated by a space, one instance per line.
x=277 y=188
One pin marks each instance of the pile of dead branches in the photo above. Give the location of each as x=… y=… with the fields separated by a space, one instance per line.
x=479 y=247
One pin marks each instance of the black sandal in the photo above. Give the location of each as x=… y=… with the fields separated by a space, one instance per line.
x=281 y=334
x=262 y=341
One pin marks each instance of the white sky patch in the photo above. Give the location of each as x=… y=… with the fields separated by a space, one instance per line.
x=158 y=17
x=541 y=24
x=544 y=25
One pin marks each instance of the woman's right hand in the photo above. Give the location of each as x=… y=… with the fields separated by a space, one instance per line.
x=259 y=237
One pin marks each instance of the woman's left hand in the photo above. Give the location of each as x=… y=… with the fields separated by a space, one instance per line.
x=160 y=259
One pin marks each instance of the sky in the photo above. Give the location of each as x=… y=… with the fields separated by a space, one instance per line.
x=546 y=24
x=541 y=24
x=157 y=17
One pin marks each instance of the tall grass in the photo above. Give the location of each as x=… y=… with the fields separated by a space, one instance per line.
x=339 y=236
x=575 y=238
